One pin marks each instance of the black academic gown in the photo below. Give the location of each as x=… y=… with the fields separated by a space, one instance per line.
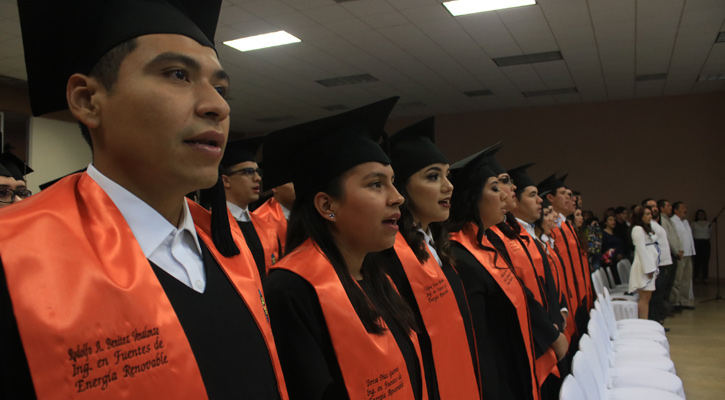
x=213 y=321
x=395 y=270
x=303 y=341
x=504 y=364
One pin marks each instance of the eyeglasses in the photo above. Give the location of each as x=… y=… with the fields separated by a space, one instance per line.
x=8 y=195
x=248 y=171
x=506 y=180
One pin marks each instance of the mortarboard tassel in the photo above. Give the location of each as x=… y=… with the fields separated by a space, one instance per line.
x=221 y=233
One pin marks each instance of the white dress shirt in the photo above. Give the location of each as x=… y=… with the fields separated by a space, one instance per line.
x=685 y=234
x=239 y=213
x=175 y=250
x=529 y=227
x=663 y=243
x=428 y=238
x=560 y=220
x=286 y=211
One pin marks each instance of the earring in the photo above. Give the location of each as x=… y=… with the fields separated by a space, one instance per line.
x=331 y=215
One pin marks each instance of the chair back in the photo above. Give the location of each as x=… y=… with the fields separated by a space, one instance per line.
x=623 y=267
x=610 y=277
x=586 y=377
x=570 y=390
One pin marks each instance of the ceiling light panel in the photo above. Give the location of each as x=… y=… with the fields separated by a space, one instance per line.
x=347 y=80
x=262 y=41
x=464 y=7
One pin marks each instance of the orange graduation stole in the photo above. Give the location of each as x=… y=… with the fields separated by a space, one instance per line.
x=93 y=318
x=271 y=211
x=372 y=365
x=526 y=270
x=443 y=322
x=501 y=272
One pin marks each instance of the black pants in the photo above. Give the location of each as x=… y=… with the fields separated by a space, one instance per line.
x=659 y=305
x=701 y=261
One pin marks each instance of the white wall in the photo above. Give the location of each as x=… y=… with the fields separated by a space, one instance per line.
x=56 y=149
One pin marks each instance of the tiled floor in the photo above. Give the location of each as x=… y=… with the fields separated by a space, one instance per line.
x=697 y=344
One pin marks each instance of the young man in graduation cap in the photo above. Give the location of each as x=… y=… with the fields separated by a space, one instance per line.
x=566 y=241
x=116 y=286
x=13 y=187
x=242 y=179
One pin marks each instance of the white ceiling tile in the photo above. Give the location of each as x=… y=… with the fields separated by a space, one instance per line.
x=426 y=13
x=533 y=38
x=8 y=10
x=346 y=26
x=266 y=8
x=330 y=13
x=609 y=11
x=385 y=20
x=524 y=77
x=539 y=101
x=715 y=63
x=305 y=4
x=234 y=15
x=368 y=7
x=554 y=74
x=652 y=57
x=569 y=98
x=254 y=27
x=405 y=4
x=290 y=21
x=707 y=86
x=649 y=88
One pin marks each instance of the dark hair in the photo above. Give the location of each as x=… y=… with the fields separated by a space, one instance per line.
x=464 y=208
x=703 y=213
x=644 y=202
x=415 y=239
x=637 y=218
x=106 y=72
x=620 y=210
x=676 y=205
x=661 y=203
x=305 y=222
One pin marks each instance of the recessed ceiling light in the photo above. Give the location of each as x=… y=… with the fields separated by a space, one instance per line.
x=528 y=58
x=463 y=7
x=262 y=41
x=347 y=80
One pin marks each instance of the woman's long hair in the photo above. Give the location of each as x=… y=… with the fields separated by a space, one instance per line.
x=384 y=301
x=637 y=215
x=414 y=238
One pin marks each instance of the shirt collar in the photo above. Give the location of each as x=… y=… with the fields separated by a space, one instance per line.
x=148 y=226
x=239 y=213
x=560 y=220
x=286 y=211
x=528 y=226
x=427 y=235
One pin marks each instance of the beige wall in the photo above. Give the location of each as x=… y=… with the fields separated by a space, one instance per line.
x=616 y=153
x=56 y=148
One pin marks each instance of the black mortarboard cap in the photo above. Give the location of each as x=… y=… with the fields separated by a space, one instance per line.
x=241 y=150
x=549 y=185
x=313 y=153
x=491 y=160
x=13 y=166
x=474 y=169
x=544 y=202
x=61 y=38
x=413 y=148
x=521 y=178
x=562 y=178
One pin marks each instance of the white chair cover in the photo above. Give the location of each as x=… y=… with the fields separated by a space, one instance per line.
x=570 y=389
x=595 y=390
x=623 y=267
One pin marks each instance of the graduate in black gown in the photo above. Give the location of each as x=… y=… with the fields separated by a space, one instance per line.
x=112 y=284
x=496 y=297
x=242 y=179
x=341 y=329
x=422 y=268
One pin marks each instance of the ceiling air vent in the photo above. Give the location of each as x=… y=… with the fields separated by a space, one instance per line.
x=651 y=77
x=713 y=77
x=549 y=92
x=528 y=58
x=720 y=38
x=347 y=80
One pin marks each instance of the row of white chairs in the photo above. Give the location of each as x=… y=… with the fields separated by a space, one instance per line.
x=621 y=359
x=626 y=305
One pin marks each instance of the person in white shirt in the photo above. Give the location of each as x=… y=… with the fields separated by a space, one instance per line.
x=682 y=289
